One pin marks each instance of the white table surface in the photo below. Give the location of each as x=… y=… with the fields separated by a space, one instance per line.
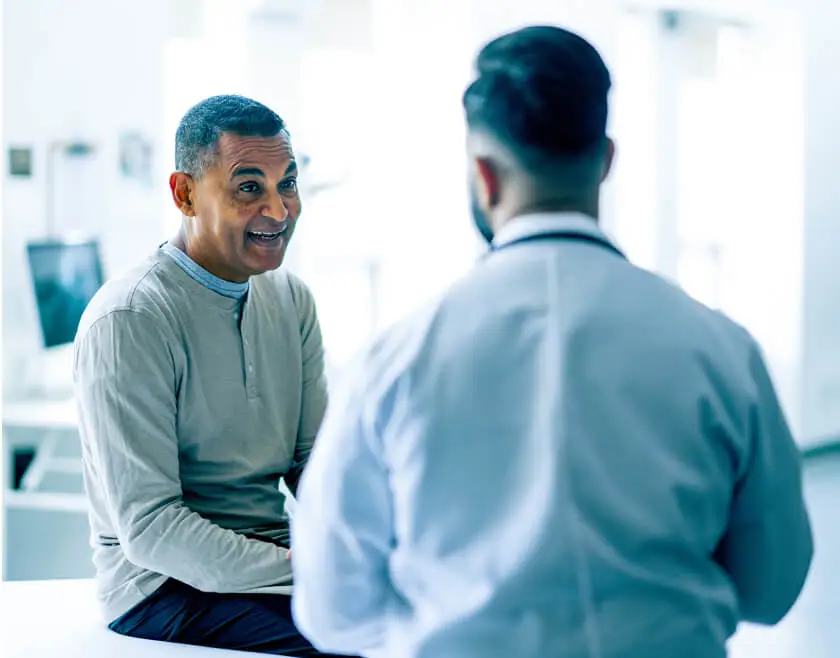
x=38 y=413
x=61 y=619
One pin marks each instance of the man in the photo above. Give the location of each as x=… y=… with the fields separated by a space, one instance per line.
x=200 y=384
x=565 y=456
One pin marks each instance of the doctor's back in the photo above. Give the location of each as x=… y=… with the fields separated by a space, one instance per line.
x=587 y=458
x=582 y=460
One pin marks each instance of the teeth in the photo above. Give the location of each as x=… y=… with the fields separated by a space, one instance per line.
x=269 y=234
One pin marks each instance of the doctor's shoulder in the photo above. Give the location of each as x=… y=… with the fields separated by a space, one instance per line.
x=707 y=325
x=725 y=346
x=393 y=353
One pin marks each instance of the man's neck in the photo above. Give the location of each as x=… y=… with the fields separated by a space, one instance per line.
x=180 y=242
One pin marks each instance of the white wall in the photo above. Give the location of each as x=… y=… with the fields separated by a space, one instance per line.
x=407 y=204
x=787 y=286
x=87 y=69
x=2 y=479
x=763 y=279
x=821 y=257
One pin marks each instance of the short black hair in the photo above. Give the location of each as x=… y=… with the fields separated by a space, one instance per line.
x=542 y=92
x=200 y=128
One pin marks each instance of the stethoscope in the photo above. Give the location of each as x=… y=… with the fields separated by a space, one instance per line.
x=568 y=236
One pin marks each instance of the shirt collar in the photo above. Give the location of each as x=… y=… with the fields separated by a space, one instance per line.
x=202 y=276
x=532 y=224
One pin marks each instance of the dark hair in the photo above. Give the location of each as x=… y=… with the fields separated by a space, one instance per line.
x=542 y=92
x=200 y=128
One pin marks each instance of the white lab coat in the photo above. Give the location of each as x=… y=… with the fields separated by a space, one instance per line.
x=564 y=457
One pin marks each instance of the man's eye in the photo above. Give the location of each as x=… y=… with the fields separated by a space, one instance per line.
x=290 y=184
x=249 y=188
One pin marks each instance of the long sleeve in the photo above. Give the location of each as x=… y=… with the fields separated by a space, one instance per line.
x=768 y=546
x=342 y=535
x=314 y=391
x=126 y=393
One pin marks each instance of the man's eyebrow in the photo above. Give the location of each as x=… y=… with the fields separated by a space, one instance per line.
x=291 y=169
x=247 y=171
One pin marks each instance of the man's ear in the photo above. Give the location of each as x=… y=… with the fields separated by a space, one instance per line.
x=487 y=183
x=182 y=186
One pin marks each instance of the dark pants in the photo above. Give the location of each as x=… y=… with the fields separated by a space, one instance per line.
x=244 y=622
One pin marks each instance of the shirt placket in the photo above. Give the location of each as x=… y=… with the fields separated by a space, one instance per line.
x=248 y=356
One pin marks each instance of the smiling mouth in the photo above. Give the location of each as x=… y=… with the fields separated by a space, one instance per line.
x=267 y=237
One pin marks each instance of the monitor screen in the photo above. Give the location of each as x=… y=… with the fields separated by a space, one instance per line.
x=65 y=276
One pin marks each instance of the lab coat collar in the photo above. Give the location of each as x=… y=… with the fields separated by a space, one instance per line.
x=532 y=224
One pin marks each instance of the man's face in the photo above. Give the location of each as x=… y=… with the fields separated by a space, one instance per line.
x=246 y=206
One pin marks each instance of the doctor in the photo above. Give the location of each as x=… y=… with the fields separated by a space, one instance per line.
x=564 y=456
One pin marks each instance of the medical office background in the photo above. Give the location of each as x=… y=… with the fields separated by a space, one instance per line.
x=726 y=179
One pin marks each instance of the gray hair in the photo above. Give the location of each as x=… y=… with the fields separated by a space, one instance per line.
x=197 y=137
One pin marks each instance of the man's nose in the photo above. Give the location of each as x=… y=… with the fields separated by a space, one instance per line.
x=276 y=209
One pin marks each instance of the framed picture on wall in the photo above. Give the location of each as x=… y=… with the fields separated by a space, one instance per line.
x=20 y=162
x=135 y=154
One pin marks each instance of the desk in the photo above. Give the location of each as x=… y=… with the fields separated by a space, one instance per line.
x=58 y=420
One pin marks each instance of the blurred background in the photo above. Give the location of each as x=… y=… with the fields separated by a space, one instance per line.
x=725 y=116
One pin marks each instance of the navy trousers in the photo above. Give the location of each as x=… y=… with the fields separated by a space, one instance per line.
x=245 y=622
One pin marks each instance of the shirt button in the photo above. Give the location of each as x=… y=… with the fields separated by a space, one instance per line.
x=251 y=368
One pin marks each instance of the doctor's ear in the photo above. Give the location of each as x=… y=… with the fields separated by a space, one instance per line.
x=609 y=159
x=487 y=183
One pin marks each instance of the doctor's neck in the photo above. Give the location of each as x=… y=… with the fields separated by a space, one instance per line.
x=551 y=202
x=590 y=207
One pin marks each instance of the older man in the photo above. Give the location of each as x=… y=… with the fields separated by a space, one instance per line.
x=200 y=384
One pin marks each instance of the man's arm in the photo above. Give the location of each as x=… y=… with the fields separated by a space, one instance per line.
x=768 y=546
x=342 y=534
x=126 y=394
x=314 y=392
